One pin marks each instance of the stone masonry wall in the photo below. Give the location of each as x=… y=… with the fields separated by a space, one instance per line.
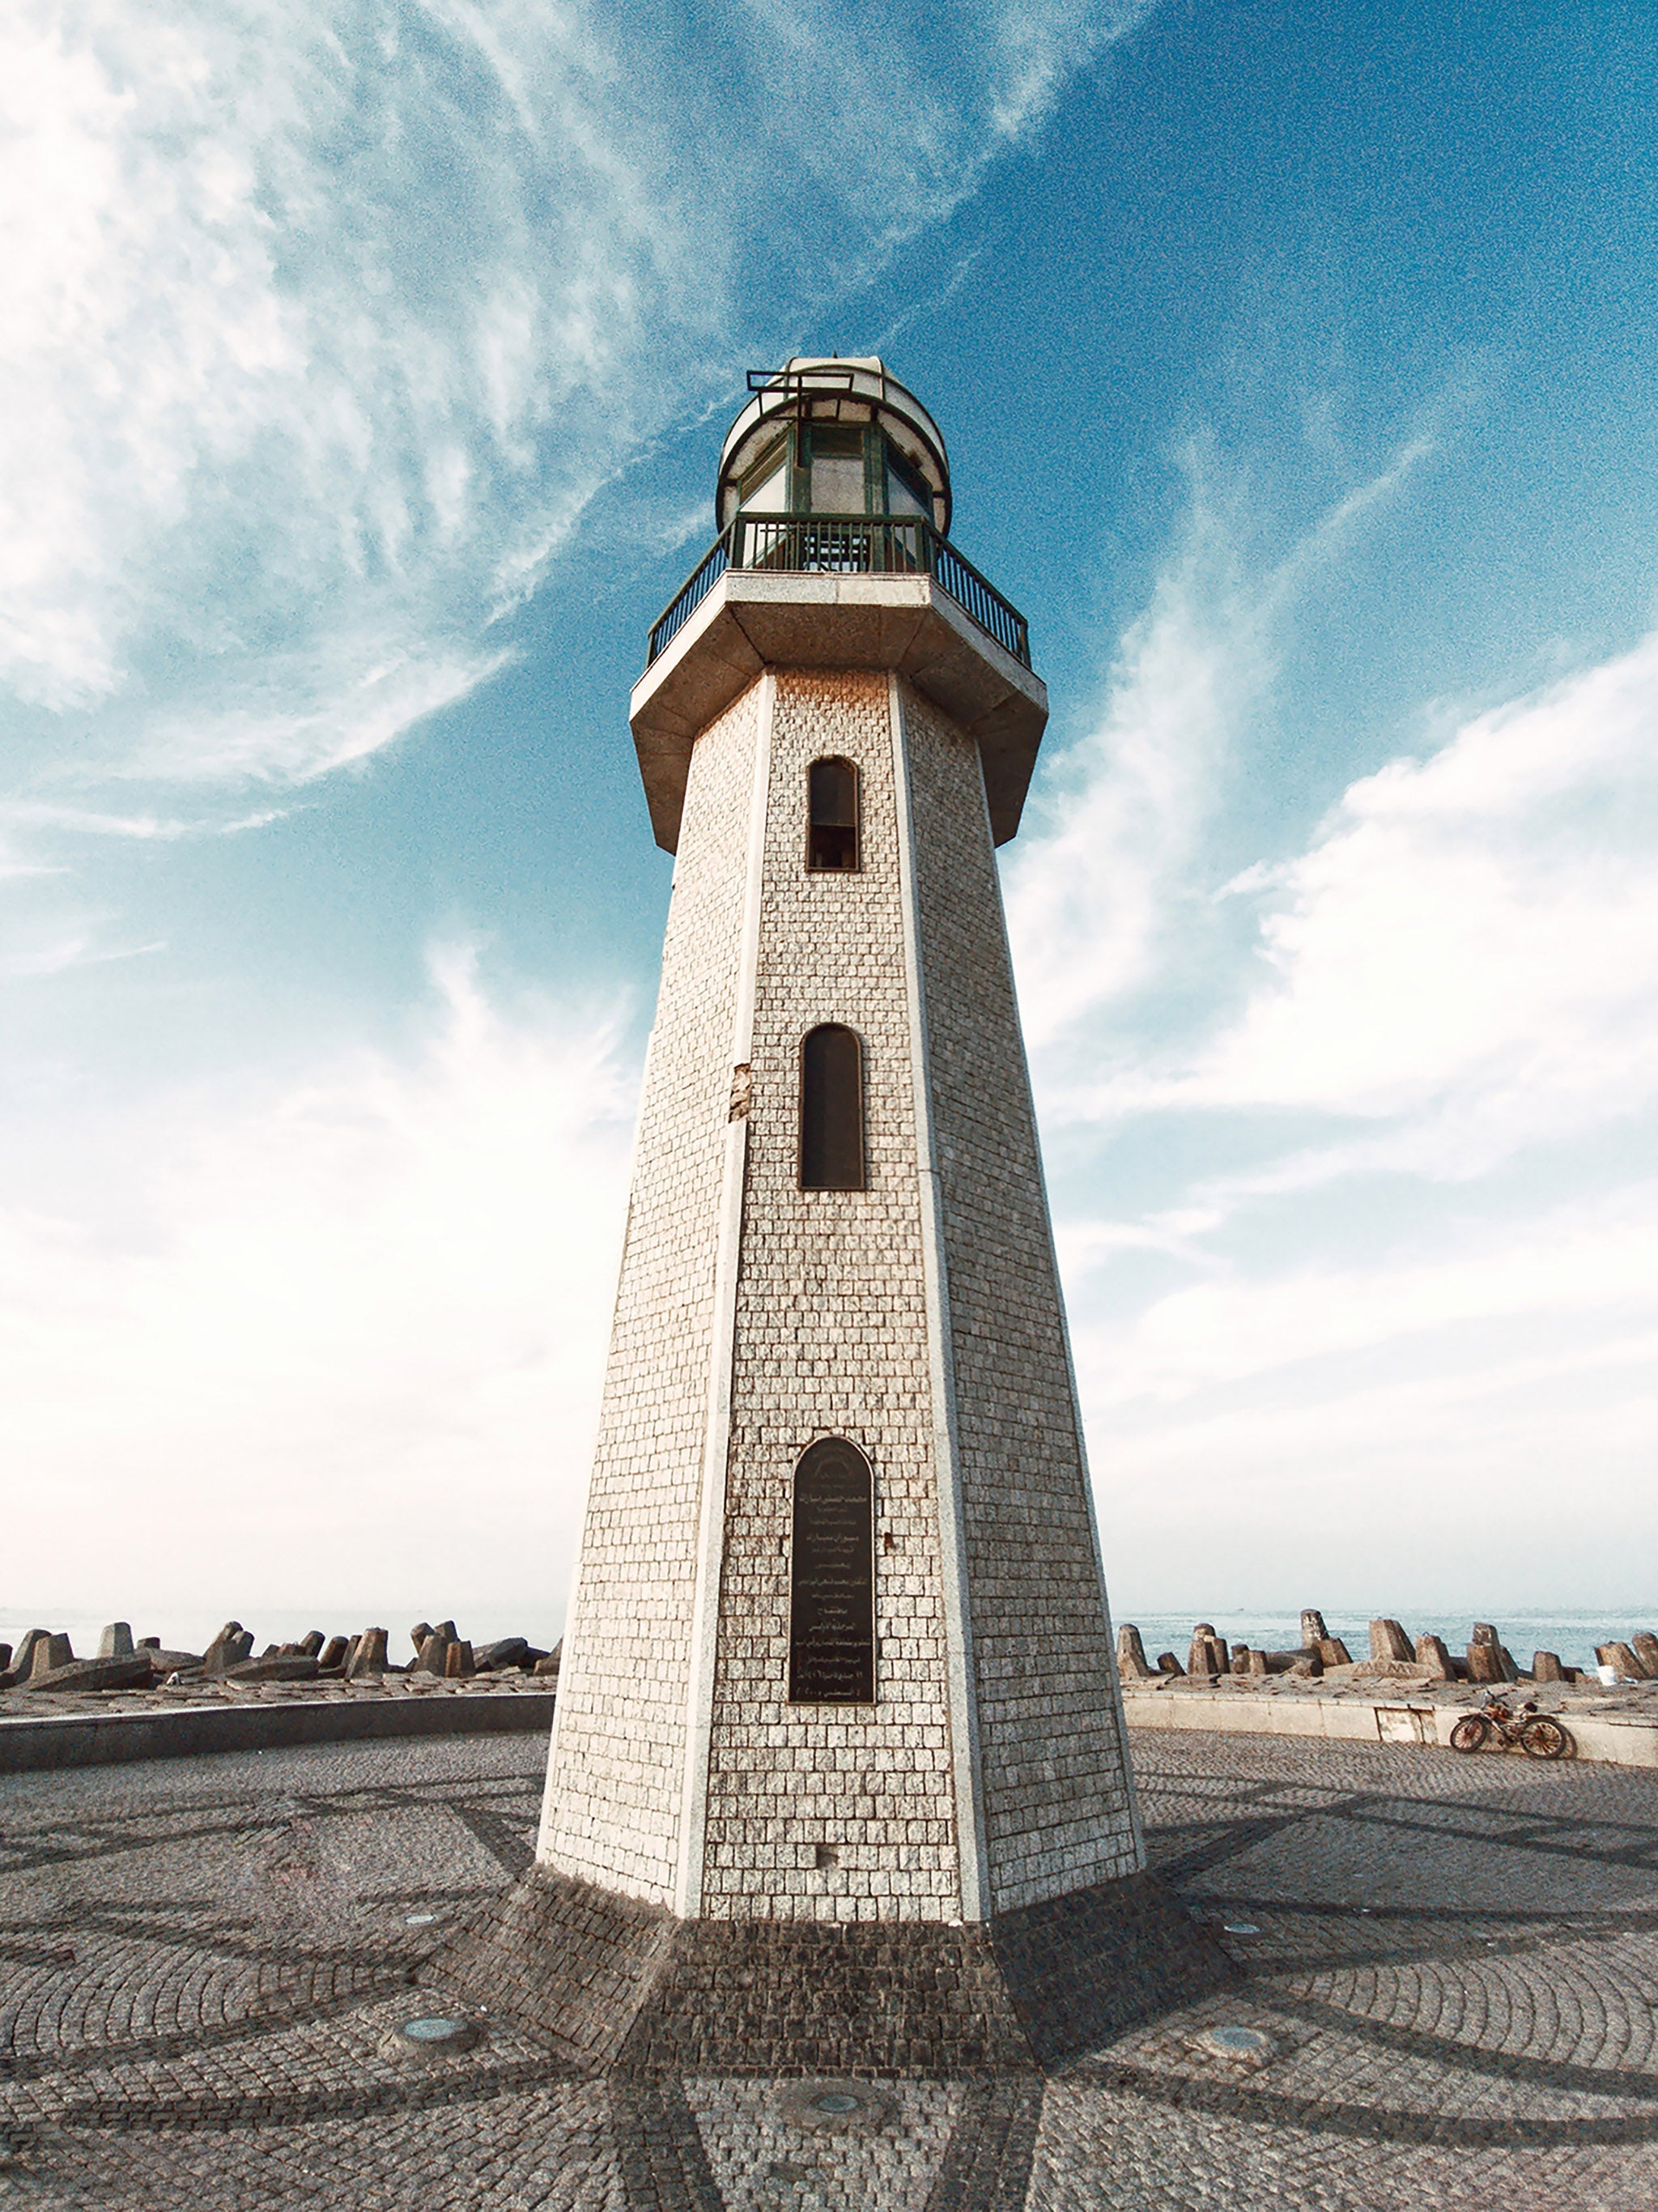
x=613 y=1787
x=1056 y=1798
x=831 y=1338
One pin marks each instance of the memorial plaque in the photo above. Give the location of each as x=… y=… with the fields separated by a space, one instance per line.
x=832 y=1581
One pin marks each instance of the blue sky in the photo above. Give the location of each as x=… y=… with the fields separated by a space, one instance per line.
x=365 y=368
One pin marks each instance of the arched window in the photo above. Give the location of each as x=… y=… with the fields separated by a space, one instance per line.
x=832 y=1578
x=832 y=1109
x=832 y=814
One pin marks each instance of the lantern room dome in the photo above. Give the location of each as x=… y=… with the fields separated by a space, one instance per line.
x=833 y=436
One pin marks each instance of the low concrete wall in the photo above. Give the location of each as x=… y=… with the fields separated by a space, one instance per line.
x=1600 y=1738
x=104 y=1739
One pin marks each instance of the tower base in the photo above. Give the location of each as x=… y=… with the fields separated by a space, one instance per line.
x=617 y=1986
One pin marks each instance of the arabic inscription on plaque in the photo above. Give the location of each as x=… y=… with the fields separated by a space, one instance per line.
x=832 y=1583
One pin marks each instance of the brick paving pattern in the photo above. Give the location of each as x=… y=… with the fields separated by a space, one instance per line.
x=1454 y=1962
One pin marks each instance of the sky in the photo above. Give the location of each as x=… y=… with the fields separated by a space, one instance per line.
x=362 y=371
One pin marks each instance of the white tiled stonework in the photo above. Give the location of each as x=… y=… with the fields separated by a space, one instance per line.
x=1056 y=1803
x=613 y=1804
x=831 y=1340
x=831 y=1336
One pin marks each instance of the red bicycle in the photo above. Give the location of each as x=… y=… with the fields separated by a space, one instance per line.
x=1539 y=1736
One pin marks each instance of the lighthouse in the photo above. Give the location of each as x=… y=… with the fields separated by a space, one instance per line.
x=838 y=1711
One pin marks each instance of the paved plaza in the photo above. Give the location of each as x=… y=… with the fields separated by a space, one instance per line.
x=1449 y=1967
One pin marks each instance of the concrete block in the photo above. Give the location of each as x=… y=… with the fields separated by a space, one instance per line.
x=1434 y=1660
x=1313 y=1630
x=1545 y=1666
x=1206 y=1655
x=51 y=1653
x=368 y=1659
x=128 y=1671
x=1389 y=1641
x=116 y=1642
x=225 y=1649
x=275 y=1667
x=1645 y=1648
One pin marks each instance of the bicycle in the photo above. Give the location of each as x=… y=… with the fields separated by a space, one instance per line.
x=1539 y=1736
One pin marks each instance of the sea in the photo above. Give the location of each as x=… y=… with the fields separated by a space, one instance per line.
x=1572 y=1636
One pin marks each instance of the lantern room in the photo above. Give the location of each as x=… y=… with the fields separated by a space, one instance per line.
x=832 y=438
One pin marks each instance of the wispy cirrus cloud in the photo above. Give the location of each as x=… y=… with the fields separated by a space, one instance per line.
x=144 y=827
x=322 y=325
x=1106 y=890
x=42 y=953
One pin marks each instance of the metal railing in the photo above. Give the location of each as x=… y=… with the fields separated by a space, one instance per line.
x=845 y=545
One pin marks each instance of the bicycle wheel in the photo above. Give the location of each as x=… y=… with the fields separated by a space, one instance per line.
x=1470 y=1732
x=1545 y=1739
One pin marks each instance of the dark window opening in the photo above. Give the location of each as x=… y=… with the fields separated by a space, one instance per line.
x=832 y=814
x=832 y=1109
x=832 y=1578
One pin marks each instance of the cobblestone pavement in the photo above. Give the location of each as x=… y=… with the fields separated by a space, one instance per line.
x=1450 y=1968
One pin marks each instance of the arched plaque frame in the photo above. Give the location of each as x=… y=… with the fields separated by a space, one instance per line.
x=832 y=1578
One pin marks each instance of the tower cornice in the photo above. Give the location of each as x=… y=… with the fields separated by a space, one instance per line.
x=752 y=620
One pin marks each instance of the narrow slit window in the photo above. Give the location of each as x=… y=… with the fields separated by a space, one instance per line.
x=832 y=1578
x=832 y=1109
x=832 y=816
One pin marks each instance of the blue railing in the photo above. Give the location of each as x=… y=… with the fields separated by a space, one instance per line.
x=845 y=545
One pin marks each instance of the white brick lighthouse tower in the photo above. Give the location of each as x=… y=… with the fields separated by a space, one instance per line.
x=838 y=1665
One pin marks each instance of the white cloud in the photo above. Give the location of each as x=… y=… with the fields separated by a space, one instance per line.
x=1356 y=1222
x=1582 y=1259
x=1467 y=952
x=322 y=324
x=338 y=1338
x=1470 y=1420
